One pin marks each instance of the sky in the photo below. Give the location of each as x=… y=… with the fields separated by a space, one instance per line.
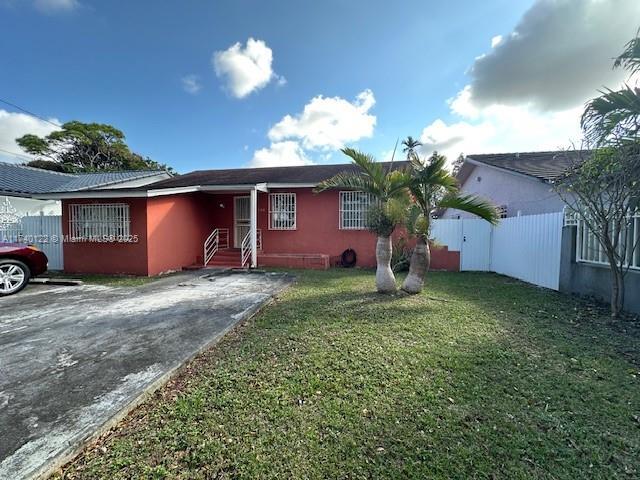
x=228 y=84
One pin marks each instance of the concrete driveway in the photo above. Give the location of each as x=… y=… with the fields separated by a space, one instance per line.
x=73 y=358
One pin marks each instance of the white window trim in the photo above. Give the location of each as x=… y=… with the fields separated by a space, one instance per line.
x=108 y=220
x=341 y=211
x=293 y=201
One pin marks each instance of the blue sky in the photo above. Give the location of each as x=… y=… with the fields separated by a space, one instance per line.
x=130 y=63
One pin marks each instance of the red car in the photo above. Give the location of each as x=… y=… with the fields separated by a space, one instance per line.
x=19 y=263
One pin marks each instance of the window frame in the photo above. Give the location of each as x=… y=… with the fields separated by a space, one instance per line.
x=362 y=223
x=103 y=222
x=293 y=202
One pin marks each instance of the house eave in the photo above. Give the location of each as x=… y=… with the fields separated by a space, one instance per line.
x=127 y=193
x=505 y=170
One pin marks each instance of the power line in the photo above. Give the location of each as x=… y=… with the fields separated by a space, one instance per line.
x=18 y=155
x=29 y=113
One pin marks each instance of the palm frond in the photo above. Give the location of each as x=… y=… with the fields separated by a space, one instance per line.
x=471 y=204
x=367 y=164
x=349 y=180
x=614 y=112
x=630 y=58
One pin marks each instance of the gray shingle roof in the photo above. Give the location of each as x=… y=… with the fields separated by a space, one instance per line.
x=307 y=174
x=21 y=180
x=85 y=181
x=545 y=166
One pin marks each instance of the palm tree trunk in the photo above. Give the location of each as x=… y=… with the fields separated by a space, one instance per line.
x=385 y=280
x=420 y=261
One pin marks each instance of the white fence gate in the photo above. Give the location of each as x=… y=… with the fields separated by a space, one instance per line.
x=43 y=231
x=475 y=255
x=526 y=247
x=46 y=233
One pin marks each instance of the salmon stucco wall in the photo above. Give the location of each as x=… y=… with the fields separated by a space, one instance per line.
x=108 y=257
x=317 y=228
x=176 y=228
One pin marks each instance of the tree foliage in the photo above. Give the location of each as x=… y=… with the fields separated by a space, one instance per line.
x=433 y=188
x=386 y=184
x=602 y=186
x=409 y=146
x=85 y=147
x=615 y=114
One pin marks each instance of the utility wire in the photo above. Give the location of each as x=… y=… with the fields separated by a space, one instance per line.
x=18 y=155
x=29 y=113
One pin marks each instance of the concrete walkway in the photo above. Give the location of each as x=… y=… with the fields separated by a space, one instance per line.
x=73 y=359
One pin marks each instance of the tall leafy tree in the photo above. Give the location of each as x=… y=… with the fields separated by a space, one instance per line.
x=85 y=147
x=602 y=184
x=389 y=187
x=409 y=146
x=432 y=188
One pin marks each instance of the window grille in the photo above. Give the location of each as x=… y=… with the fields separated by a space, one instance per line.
x=99 y=221
x=570 y=217
x=282 y=211
x=589 y=250
x=502 y=211
x=354 y=207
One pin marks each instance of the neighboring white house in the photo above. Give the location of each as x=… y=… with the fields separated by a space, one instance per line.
x=20 y=185
x=518 y=183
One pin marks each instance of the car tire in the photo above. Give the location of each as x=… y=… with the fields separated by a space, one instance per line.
x=14 y=276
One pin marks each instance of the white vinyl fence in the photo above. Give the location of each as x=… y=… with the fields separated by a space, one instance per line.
x=526 y=247
x=43 y=231
x=46 y=233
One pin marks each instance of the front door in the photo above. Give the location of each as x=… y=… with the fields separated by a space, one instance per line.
x=241 y=219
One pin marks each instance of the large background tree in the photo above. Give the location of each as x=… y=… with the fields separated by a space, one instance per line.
x=85 y=147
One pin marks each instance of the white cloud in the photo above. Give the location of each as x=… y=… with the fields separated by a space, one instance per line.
x=558 y=55
x=328 y=122
x=245 y=69
x=528 y=92
x=280 y=154
x=50 y=6
x=14 y=125
x=500 y=128
x=191 y=84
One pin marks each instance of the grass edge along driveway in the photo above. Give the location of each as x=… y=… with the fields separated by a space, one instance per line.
x=481 y=376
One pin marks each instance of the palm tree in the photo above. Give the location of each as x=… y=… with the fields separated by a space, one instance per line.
x=388 y=186
x=409 y=146
x=616 y=113
x=432 y=187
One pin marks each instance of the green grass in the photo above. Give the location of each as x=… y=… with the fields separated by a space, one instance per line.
x=479 y=377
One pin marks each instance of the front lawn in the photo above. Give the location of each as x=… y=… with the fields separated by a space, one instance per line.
x=479 y=377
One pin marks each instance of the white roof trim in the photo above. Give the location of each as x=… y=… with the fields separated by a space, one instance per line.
x=127 y=193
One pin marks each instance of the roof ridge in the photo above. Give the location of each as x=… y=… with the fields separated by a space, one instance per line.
x=315 y=165
x=103 y=172
x=525 y=153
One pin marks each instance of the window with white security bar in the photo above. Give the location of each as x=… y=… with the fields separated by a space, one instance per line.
x=282 y=211
x=99 y=221
x=589 y=250
x=354 y=208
